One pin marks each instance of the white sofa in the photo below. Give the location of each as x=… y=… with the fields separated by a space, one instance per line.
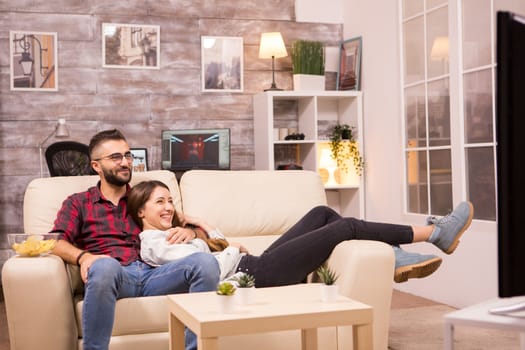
x=43 y=295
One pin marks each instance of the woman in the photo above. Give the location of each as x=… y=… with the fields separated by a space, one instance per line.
x=298 y=252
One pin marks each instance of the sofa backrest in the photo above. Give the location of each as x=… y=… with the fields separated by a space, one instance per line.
x=246 y=203
x=44 y=196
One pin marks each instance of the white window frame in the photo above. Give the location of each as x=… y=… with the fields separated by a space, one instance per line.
x=457 y=115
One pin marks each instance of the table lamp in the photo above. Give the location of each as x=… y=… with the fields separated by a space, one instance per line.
x=272 y=46
x=59 y=131
x=328 y=163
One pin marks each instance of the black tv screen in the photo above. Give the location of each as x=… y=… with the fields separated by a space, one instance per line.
x=196 y=149
x=510 y=151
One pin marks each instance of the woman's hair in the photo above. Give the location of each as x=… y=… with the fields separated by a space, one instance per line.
x=139 y=195
x=104 y=136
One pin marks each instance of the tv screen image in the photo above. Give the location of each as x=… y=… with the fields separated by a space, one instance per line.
x=196 y=149
x=510 y=152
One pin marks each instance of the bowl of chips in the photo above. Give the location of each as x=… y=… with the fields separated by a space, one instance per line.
x=31 y=244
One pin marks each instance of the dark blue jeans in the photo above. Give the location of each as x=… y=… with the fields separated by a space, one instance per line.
x=307 y=244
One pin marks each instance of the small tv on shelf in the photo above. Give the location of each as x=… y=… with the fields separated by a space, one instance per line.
x=184 y=150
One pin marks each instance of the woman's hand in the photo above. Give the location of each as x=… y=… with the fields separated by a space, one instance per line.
x=242 y=249
x=176 y=235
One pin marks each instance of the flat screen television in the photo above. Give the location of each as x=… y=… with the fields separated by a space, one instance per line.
x=184 y=150
x=510 y=153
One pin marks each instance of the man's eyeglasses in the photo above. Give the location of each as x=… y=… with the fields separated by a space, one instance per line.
x=117 y=157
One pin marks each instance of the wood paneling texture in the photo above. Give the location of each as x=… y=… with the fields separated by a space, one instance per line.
x=139 y=102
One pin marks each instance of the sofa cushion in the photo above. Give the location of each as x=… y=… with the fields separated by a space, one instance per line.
x=135 y=315
x=238 y=204
x=44 y=196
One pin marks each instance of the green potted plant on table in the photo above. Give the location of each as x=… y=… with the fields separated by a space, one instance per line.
x=308 y=58
x=245 y=288
x=344 y=147
x=225 y=292
x=328 y=287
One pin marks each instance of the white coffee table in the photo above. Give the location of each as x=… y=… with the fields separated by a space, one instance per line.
x=479 y=316
x=274 y=309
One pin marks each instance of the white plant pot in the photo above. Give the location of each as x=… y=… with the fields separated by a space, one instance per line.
x=245 y=296
x=308 y=82
x=226 y=303
x=329 y=293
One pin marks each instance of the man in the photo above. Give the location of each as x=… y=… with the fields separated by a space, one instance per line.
x=96 y=234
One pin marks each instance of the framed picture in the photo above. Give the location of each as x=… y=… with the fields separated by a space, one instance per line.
x=130 y=46
x=222 y=63
x=33 y=61
x=140 y=159
x=349 y=73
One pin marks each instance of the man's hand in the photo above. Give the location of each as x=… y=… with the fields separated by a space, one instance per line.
x=85 y=263
x=177 y=235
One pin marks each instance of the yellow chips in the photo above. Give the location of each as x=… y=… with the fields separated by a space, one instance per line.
x=34 y=246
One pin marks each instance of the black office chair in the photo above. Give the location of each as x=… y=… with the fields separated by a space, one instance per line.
x=68 y=158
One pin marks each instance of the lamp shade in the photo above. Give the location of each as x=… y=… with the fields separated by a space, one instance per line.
x=62 y=130
x=272 y=45
x=326 y=161
x=439 y=48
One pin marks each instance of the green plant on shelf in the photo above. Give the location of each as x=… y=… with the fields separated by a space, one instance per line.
x=343 y=147
x=308 y=57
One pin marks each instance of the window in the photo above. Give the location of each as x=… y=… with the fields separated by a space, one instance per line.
x=450 y=144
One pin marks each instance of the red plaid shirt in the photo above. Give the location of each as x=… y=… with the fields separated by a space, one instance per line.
x=91 y=222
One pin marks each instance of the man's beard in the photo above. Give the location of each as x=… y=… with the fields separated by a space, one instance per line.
x=114 y=179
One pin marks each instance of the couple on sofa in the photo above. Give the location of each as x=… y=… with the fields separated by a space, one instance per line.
x=97 y=234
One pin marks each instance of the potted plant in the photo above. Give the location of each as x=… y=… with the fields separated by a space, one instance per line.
x=344 y=147
x=328 y=287
x=308 y=58
x=225 y=291
x=245 y=288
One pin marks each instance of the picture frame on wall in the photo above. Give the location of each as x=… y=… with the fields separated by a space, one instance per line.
x=140 y=159
x=33 y=61
x=349 y=72
x=130 y=46
x=222 y=63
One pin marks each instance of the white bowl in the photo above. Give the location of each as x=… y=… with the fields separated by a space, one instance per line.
x=31 y=244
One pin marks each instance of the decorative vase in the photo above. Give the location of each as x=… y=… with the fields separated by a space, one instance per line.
x=226 y=303
x=308 y=82
x=329 y=292
x=245 y=296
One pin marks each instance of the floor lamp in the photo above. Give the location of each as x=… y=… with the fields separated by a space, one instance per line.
x=59 y=131
x=272 y=46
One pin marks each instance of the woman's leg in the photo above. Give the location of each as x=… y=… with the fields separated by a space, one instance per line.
x=298 y=252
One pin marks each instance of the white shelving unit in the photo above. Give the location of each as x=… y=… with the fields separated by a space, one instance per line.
x=312 y=113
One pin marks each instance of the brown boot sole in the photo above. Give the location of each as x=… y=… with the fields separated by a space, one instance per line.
x=424 y=269
x=455 y=243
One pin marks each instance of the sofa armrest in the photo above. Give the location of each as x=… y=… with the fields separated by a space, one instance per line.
x=39 y=304
x=366 y=272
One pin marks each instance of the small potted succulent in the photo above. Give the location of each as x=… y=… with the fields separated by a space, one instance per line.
x=344 y=147
x=328 y=287
x=245 y=288
x=308 y=59
x=225 y=291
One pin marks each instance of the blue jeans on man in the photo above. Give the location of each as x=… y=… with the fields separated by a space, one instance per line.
x=109 y=281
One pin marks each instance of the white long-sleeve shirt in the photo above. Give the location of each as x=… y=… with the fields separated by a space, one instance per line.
x=155 y=250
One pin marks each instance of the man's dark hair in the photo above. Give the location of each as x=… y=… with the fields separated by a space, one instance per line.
x=104 y=136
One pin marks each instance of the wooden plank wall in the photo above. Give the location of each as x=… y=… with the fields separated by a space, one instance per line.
x=139 y=102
